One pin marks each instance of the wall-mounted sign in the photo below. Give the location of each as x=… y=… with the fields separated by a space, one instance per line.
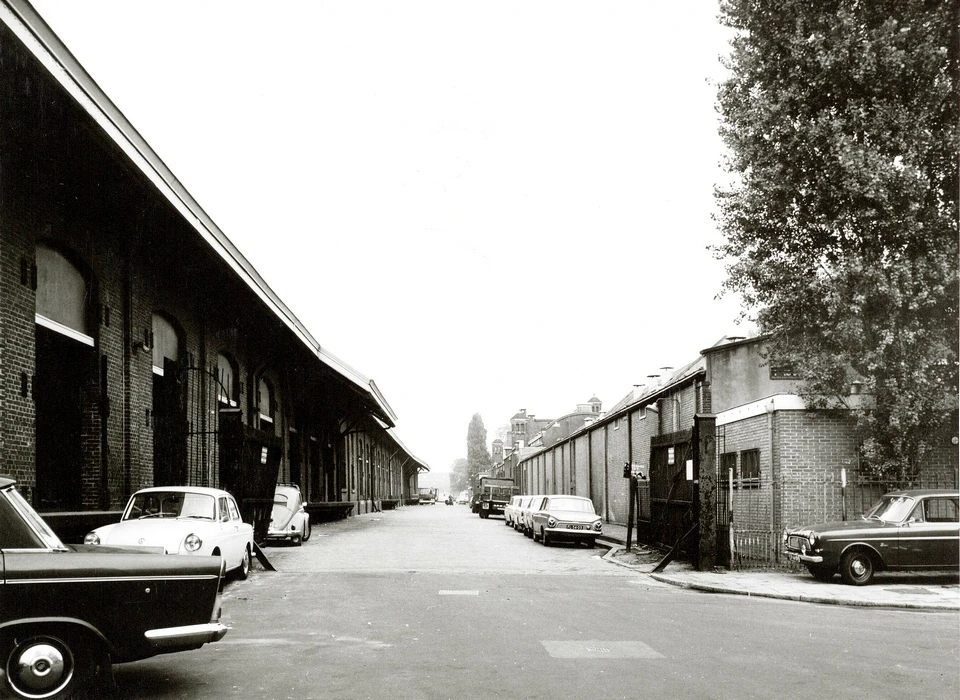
x=671 y=455
x=263 y=455
x=689 y=470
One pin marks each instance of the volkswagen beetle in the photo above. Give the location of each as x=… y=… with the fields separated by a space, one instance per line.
x=289 y=521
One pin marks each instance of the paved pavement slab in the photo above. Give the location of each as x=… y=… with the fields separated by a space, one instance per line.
x=919 y=590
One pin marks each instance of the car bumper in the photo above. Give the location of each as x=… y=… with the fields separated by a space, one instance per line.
x=186 y=636
x=564 y=532
x=283 y=535
x=804 y=557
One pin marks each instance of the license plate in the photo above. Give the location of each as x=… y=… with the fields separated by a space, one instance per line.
x=793 y=556
x=574 y=527
x=486 y=506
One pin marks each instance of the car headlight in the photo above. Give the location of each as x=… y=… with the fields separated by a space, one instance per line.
x=192 y=543
x=91 y=538
x=813 y=540
x=551 y=522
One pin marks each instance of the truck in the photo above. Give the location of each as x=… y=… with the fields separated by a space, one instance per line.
x=491 y=494
x=427 y=495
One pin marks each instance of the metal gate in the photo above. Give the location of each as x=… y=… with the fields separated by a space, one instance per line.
x=671 y=492
x=204 y=390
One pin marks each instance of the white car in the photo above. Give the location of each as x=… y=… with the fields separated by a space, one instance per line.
x=190 y=520
x=560 y=517
x=511 y=512
x=289 y=521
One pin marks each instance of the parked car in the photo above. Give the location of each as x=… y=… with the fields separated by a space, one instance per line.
x=289 y=520
x=526 y=514
x=511 y=511
x=916 y=529
x=190 y=520
x=463 y=498
x=571 y=518
x=68 y=611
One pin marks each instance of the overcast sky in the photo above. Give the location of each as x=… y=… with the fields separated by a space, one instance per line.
x=483 y=206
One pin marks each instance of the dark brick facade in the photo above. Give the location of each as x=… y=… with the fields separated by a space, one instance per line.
x=72 y=185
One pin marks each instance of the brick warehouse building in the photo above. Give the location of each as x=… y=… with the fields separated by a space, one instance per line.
x=137 y=345
x=774 y=463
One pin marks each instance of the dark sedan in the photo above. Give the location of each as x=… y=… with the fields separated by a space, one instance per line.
x=906 y=530
x=68 y=612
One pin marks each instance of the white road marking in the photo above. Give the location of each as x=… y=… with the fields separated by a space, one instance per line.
x=599 y=649
x=442 y=592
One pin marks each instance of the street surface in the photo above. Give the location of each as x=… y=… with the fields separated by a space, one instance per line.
x=433 y=602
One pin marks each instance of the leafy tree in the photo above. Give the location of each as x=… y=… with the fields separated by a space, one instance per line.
x=841 y=119
x=459 y=478
x=478 y=455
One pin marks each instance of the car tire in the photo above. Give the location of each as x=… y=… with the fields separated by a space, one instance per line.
x=52 y=666
x=592 y=543
x=857 y=567
x=821 y=573
x=297 y=540
x=244 y=569
x=544 y=538
x=536 y=537
x=307 y=530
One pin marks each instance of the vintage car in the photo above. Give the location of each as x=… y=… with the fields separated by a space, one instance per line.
x=289 y=521
x=527 y=508
x=190 y=520
x=570 y=518
x=511 y=512
x=905 y=530
x=68 y=612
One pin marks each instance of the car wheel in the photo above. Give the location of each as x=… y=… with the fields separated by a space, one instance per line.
x=307 y=530
x=856 y=567
x=536 y=537
x=544 y=538
x=296 y=539
x=820 y=573
x=592 y=543
x=244 y=569
x=47 y=666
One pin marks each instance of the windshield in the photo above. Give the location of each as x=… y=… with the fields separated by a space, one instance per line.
x=49 y=539
x=170 y=504
x=573 y=504
x=891 y=509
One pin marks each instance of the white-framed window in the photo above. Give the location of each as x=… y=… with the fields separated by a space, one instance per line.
x=266 y=405
x=228 y=388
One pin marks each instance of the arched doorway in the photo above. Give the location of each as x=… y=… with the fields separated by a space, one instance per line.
x=64 y=358
x=169 y=405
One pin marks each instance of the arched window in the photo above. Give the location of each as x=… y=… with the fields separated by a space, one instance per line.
x=266 y=405
x=61 y=296
x=228 y=389
x=166 y=343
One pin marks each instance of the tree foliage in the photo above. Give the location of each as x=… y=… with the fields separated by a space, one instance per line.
x=478 y=455
x=459 y=476
x=841 y=120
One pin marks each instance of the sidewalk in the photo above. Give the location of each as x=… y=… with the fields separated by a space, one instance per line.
x=928 y=591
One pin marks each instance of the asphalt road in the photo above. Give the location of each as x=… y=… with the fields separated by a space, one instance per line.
x=432 y=602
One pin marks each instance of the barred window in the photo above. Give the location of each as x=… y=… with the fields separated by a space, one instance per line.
x=750 y=469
